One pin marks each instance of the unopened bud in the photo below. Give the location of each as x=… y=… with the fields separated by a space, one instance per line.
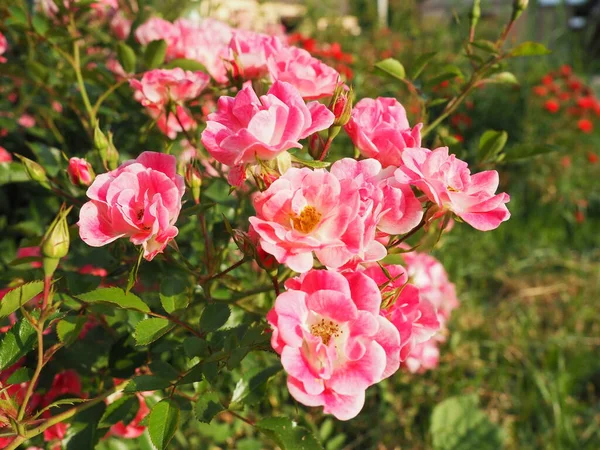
x=100 y=141
x=475 y=13
x=193 y=181
x=55 y=244
x=315 y=145
x=80 y=172
x=518 y=7
x=112 y=155
x=244 y=242
x=34 y=170
x=341 y=105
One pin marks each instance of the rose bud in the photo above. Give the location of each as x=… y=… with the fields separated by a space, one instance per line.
x=55 y=244
x=80 y=172
x=193 y=181
x=34 y=170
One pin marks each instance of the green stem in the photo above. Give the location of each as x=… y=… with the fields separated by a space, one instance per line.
x=62 y=417
x=77 y=68
x=105 y=95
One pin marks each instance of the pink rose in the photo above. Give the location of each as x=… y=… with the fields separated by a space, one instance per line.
x=207 y=43
x=66 y=383
x=80 y=172
x=116 y=68
x=57 y=107
x=26 y=121
x=159 y=87
x=311 y=77
x=5 y=155
x=333 y=342
x=172 y=123
x=27 y=252
x=250 y=52
x=133 y=429
x=396 y=209
x=120 y=26
x=246 y=128
x=156 y=29
x=3 y=47
x=307 y=211
x=414 y=317
x=429 y=275
x=424 y=356
x=447 y=181
x=379 y=129
x=89 y=269
x=141 y=200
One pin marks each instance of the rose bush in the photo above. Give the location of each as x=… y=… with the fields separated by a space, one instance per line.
x=261 y=243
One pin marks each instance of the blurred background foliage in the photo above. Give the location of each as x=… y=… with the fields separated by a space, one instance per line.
x=524 y=344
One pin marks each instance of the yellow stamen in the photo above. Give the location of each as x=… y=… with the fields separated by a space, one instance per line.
x=308 y=219
x=325 y=329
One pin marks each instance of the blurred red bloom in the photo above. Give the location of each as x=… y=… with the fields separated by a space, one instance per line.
x=566 y=70
x=552 y=106
x=585 y=125
x=587 y=102
x=592 y=157
x=547 y=80
x=565 y=161
x=574 y=84
x=540 y=91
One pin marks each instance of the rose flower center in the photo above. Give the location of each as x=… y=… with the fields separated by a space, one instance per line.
x=307 y=220
x=325 y=329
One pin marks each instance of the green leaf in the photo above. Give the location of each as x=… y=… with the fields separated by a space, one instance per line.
x=21 y=375
x=524 y=151
x=288 y=435
x=126 y=57
x=194 y=346
x=485 y=45
x=146 y=383
x=448 y=72
x=214 y=316
x=48 y=157
x=149 y=330
x=155 y=53
x=312 y=164
x=437 y=101
x=68 y=329
x=17 y=15
x=163 y=421
x=83 y=430
x=12 y=173
x=17 y=342
x=175 y=292
x=163 y=369
x=186 y=64
x=114 y=296
x=207 y=407
x=18 y=296
x=421 y=63
x=251 y=389
x=503 y=78
x=491 y=144
x=40 y=24
x=529 y=48
x=123 y=410
x=123 y=359
x=458 y=423
x=392 y=67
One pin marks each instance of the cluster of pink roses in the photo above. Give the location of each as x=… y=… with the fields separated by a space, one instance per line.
x=347 y=321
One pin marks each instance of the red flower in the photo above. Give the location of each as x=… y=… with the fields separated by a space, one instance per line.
x=565 y=161
x=587 y=102
x=564 y=96
x=547 y=80
x=566 y=70
x=579 y=217
x=552 y=106
x=574 y=84
x=585 y=125
x=540 y=91
x=592 y=157
x=459 y=137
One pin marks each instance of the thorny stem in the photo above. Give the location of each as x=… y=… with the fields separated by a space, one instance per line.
x=242 y=418
x=63 y=416
x=229 y=269
x=38 y=367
